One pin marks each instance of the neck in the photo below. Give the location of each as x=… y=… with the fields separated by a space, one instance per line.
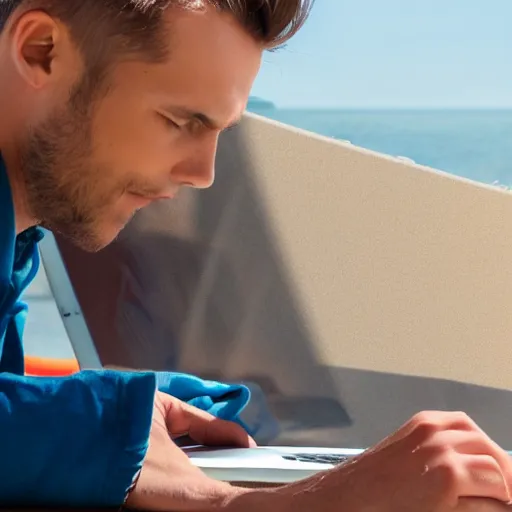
x=12 y=125
x=22 y=216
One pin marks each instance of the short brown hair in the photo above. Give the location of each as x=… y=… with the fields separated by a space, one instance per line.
x=100 y=27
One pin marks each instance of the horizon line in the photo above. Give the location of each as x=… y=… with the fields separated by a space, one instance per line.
x=392 y=107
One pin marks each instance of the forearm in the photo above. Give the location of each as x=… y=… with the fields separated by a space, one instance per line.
x=227 y=498
x=256 y=499
x=293 y=497
x=203 y=494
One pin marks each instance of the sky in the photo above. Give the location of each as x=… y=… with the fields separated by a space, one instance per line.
x=395 y=54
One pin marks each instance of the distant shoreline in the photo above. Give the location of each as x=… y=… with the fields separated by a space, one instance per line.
x=256 y=109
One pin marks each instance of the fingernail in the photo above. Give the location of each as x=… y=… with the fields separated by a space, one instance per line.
x=252 y=443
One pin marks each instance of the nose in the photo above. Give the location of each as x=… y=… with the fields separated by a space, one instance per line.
x=197 y=169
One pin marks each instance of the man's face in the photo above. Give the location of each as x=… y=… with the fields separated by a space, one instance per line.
x=88 y=166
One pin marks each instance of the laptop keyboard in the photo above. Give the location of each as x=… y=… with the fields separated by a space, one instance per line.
x=318 y=458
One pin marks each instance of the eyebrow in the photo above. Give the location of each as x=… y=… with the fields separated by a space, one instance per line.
x=190 y=115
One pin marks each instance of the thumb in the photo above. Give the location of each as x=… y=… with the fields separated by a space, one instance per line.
x=202 y=427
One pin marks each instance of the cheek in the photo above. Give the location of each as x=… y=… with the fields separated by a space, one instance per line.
x=137 y=142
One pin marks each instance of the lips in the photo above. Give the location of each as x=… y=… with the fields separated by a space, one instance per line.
x=151 y=198
x=159 y=198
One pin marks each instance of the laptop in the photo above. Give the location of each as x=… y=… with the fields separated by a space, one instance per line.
x=265 y=464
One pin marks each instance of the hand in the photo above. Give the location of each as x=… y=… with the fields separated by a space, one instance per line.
x=168 y=481
x=437 y=462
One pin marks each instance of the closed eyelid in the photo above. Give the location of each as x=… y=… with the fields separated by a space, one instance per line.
x=192 y=116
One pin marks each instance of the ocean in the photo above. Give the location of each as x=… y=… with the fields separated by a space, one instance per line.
x=476 y=144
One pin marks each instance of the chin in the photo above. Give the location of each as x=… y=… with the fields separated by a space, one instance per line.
x=90 y=244
x=90 y=237
x=91 y=240
x=102 y=239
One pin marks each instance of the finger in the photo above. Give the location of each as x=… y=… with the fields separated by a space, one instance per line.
x=481 y=477
x=424 y=425
x=221 y=433
x=441 y=420
x=424 y=422
x=503 y=458
x=204 y=428
x=481 y=505
x=475 y=442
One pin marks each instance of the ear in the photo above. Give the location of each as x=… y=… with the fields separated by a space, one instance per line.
x=38 y=45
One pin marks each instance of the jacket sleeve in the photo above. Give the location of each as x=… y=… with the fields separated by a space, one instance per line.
x=74 y=441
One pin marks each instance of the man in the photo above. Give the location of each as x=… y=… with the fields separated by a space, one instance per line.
x=108 y=105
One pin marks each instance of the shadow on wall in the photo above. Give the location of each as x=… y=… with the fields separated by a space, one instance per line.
x=198 y=285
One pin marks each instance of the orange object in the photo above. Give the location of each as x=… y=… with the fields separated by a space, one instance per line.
x=49 y=367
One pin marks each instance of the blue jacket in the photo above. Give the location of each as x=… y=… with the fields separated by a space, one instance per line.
x=80 y=440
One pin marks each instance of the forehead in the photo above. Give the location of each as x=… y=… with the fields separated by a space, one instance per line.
x=211 y=66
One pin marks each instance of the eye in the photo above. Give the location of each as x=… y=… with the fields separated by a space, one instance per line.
x=170 y=123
